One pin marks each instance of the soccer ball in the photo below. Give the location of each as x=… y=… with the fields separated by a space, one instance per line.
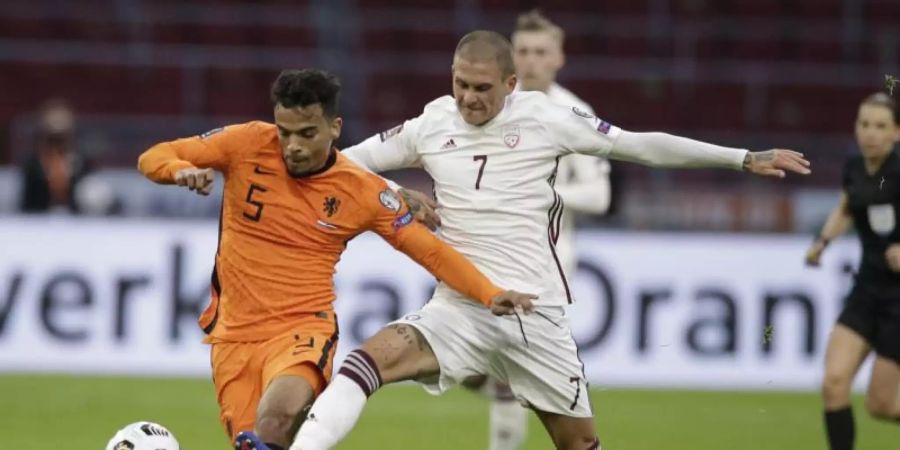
x=143 y=436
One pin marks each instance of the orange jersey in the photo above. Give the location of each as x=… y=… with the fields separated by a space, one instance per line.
x=281 y=237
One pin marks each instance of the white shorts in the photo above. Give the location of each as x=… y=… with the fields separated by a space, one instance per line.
x=535 y=354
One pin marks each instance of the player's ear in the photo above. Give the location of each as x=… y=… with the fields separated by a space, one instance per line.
x=511 y=82
x=336 y=125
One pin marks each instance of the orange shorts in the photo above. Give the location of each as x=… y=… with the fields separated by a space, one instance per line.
x=243 y=370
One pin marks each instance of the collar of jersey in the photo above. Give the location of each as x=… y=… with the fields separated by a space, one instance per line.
x=332 y=158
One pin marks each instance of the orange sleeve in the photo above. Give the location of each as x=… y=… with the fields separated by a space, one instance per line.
x=398 y=227
x=213 y=149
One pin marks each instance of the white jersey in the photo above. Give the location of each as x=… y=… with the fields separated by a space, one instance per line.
x=583 y=183
x=494 y=183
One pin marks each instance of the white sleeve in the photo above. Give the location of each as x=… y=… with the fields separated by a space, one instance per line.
x=588 y=191
x=665 y=150
x=574 y=130
x=389 y=150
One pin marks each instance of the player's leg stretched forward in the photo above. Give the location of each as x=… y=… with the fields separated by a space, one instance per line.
x=398 y=352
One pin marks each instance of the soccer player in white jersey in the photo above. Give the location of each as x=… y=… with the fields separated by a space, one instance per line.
x=581 y=180
x=493 y=155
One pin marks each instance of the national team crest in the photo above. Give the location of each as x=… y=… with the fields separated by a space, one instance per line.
x=511 y=136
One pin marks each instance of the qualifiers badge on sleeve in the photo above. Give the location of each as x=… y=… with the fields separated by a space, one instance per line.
x=211 y=132
x=389 y=200
x=387 y=134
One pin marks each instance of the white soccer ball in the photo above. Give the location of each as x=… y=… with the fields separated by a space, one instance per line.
x=143 y=436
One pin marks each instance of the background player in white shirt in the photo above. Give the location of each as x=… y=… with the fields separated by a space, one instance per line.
x=581 y=180
x=493 y=156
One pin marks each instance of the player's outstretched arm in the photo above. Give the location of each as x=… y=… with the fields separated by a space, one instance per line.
x=665 y=150
x=838 y=222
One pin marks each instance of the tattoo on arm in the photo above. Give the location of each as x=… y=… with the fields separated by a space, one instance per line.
x=765 y=156
x=414 y=205
x=758 y=157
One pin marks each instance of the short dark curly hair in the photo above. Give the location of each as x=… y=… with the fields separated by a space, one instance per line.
x=306 y=87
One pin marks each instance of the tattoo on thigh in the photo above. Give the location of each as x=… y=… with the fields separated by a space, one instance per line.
x=406 y=334
x=423 y=344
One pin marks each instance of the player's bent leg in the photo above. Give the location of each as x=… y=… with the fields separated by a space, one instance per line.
x=284 y=404
x=570 y=433
x=396 y=353
x=843 y=357
x=883 y=396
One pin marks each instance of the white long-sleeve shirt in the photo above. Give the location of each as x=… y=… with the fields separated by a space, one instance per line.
x=494 y=182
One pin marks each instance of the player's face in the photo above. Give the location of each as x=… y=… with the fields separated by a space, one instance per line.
x=538 y=57
x=876 y=131
x=480 y=90
x=306 y=136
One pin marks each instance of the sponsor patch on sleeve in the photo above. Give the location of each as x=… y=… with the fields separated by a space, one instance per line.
x=403 y=220
x=211 y=132
x=387 y=134
x=389 y=200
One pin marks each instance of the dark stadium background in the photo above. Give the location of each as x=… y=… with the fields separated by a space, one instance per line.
x=744 y=73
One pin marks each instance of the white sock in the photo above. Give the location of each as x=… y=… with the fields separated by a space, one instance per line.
x=332 y=416
x=509 y=425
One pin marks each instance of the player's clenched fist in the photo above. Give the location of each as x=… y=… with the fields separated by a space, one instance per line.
x=200 y=180
x=509 y=302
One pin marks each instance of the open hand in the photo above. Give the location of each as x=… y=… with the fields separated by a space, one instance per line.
x=776 y=163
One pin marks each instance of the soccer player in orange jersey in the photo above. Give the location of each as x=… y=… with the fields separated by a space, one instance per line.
x=290 y=205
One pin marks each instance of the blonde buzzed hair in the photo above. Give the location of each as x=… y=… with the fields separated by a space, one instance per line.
x=483 y=45
x=535 y=21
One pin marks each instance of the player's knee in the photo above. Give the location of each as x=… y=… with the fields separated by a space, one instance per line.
x=836 y=385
